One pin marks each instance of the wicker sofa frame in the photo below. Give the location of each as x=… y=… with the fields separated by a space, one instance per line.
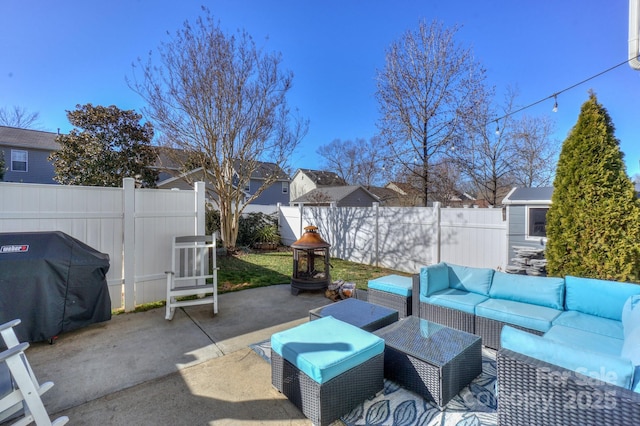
x=488 y=329
x=532 y=392
x=327 y=402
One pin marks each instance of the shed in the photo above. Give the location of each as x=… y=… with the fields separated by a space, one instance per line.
x=526 y=211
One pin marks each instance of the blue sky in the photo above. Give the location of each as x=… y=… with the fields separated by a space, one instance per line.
x=55 y=55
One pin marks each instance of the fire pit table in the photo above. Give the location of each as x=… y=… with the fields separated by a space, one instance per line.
x=365 y=315
x=430 y=359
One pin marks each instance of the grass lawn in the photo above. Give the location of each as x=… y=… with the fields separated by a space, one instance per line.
x=261 y=269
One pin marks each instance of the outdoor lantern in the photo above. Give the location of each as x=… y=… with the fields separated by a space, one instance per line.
x=310 y=262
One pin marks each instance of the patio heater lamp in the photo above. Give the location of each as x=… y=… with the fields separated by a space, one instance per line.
x=310 y=262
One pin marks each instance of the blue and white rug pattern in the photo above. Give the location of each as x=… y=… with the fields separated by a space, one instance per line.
x=475 y=405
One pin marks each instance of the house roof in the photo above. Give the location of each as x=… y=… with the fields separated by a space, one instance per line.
x=26 y=138
x=540 y=195
x=323 y=177
x=331 y=194
x=404 y=188
x=264 y=170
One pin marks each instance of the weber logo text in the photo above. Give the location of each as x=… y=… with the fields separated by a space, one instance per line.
x=15 y=248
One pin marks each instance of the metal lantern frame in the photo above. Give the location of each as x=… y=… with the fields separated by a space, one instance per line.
x=310 y=253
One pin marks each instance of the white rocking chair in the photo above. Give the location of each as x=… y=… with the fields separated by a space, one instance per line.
x=193 y=273
x=19 y=389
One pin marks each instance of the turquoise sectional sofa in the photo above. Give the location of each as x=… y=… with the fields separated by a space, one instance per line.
x=556 y=337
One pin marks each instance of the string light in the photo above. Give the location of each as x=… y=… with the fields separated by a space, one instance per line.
x=497 y=129
x=555 y=95
x=555 y=104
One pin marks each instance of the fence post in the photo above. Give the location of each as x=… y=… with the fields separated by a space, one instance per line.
x=129 y=249
x=436 y=210
x=200 y=210
x=376 y=233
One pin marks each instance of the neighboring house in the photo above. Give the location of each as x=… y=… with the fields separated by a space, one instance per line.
x=411 y=196
x=278 y=192
x=388 y=197
x=306 y=180
x=341 y=196
x=526 y=214
x=26 y=155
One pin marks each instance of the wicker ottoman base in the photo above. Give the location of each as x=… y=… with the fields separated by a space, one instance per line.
x=326 y=402
x=402 y=304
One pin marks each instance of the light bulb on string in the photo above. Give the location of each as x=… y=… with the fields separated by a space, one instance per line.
x=497 y=128
x=555 y=104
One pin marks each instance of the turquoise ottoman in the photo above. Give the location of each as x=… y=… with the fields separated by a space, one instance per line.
x=327 y=367
x=392 y=291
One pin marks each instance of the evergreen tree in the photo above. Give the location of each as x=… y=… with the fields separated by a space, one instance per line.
x=108 y=145
x=593 y=224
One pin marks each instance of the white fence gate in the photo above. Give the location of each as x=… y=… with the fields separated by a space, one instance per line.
x=134 y=227
x=404 y=238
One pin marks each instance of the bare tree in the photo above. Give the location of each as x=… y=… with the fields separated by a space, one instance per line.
x=429 y=84
x=222 y=100
x=446 y=182
x=20 y=118
x=486 y=155
x=535 y=154
x=358 y=162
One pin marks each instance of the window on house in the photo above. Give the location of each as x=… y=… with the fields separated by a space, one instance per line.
x=247 y=187
x=537 y=222
x=19 y=160
x=285 y=187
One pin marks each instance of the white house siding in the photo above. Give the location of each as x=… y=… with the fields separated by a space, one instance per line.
x=300 y=185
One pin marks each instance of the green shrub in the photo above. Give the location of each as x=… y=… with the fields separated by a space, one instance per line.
x=593 y=224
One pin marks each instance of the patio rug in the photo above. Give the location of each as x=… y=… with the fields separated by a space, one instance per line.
x=475 y=405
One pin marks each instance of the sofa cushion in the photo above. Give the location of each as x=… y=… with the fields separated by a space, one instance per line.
x=631 y=347
x=525 y=315
x=543 y=291
x=395 y=284
x=455 y=299
x=631 y=314
x=433 y=278
x=598 y=297
x=590 y=323
x=475 y=280
x=585 y=339
x=617 y=370
x=327 y=347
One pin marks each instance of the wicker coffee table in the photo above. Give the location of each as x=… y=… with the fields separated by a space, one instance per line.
x=365 y=315
x=430 y=359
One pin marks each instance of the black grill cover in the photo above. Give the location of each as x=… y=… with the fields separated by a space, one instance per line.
x=52 y=282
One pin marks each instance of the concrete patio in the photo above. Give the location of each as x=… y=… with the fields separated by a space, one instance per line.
x=197 y=369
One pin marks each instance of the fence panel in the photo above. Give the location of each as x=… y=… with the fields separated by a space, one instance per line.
x=161 y=214
x=289 y=221
x=473 y=237
x=90 y=214
x=404 y=238
x=96 y=216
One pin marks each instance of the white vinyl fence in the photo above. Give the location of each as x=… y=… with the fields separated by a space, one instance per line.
x=135 y=227
x=404 y=238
